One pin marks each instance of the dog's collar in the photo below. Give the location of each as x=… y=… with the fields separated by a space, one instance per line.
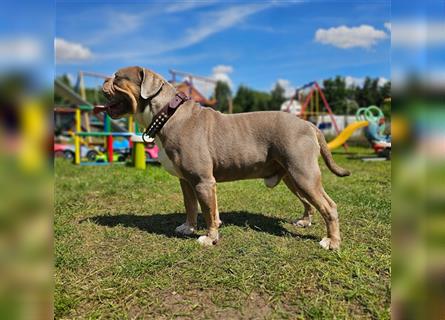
x=160 y=119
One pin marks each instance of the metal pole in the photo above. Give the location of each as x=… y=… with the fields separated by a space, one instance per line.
x=190 y=86
x=77 y=138
x=230 y=104
x=109 y=138
x=82 y=86
x=130 y=124
x=326 y=104
x=308 y=98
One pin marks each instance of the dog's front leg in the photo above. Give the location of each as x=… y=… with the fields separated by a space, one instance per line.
x=191 y=209
x=206 y=193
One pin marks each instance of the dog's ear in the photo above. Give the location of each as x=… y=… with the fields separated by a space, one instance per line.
x=151 y=83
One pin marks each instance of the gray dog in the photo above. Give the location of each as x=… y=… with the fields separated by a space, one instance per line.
x=202 y=146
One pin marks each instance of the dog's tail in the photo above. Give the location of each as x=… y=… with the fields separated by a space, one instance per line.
x=327 y=156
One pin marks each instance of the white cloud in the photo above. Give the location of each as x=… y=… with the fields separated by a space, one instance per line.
x=222 y=69
x=188 y=5
x=217 y=21
x=358 y=82
x=117 y=24
x=125 y=22
x=413 y=34
x=208 y=24
x=387 y=26
x=67 y=51
x=354 y=82
x=71 y=78
x=364 y=36
x=219 y=73
x=201 y=26
x=20 y=50
x=382 y=81
x=289 y=89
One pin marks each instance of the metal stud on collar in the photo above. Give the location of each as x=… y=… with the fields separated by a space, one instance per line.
x=146 y=138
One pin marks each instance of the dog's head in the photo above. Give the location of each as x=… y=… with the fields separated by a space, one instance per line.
x=128 y=88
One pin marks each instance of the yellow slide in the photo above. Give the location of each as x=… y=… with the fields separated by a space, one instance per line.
x=345 y=134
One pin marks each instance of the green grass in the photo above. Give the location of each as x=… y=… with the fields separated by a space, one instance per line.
x=117 y=256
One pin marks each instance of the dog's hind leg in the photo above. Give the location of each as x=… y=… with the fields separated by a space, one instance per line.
x=191 y=209
x=308 y=184
x=306 y=219
x=205 y=191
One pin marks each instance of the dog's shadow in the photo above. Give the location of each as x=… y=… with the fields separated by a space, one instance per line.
x=165 y=224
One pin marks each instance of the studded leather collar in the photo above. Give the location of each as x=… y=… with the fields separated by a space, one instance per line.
x=161 y=118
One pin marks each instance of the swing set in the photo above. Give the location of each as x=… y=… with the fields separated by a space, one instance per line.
x=310 y=107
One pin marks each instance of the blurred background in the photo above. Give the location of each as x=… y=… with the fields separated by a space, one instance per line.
x=26 y=77
x=418 y=74
x=272 y=63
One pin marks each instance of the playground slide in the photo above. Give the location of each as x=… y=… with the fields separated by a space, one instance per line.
x=345 y=134
x=70 y=95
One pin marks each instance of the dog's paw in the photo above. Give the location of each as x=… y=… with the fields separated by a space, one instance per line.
x=329 y=244
x=207 y=241
x=302 y=223
x=185 y=229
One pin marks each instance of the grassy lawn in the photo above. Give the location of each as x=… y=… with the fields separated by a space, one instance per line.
x=117 y=256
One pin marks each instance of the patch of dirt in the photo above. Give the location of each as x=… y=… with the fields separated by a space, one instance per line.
x=201 y=304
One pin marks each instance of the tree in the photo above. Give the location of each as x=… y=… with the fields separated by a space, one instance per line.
x=222 y=94
x=346 y=100
x=95 y=96
x=342 y=99
x=244 y=100
x=369 y=94
x=276 y=97
x=261 y=101
x=65 y=80
x=385 y=92
x=247 y=100
x=336 y=94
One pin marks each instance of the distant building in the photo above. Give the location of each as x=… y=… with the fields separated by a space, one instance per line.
x=192 y=92
x=292 y=106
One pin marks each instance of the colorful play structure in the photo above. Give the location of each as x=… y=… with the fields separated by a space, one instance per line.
x=116 y=140
x=346 y=134
x=98 y=139
x=307 y=106
x=310 y=107
x=375 y=131
x=107 y=134
x=373 y=120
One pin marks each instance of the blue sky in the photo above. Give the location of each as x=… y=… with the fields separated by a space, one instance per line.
x=26 y=38
x=244 y=42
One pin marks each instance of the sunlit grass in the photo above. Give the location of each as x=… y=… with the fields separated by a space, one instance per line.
x=117 y=254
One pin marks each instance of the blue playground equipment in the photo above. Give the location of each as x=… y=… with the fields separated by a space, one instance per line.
x=375 y=131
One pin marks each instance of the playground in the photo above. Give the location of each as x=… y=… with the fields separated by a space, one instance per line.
x=100 y=140
x=90 y=138
x=186 y=141
x=117 y=255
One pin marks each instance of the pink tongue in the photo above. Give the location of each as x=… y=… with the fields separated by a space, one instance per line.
x=98 y=109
